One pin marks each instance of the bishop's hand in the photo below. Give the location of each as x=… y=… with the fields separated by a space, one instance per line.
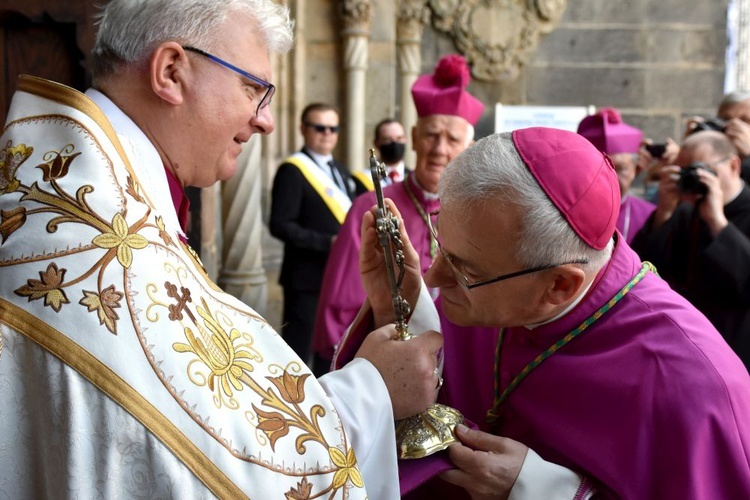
x=374 y=273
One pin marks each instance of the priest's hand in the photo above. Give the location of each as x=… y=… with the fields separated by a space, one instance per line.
x=739 y=133
x=711 y=206
x=373 y=269
x=486 y=465
x=408 y=368
x=669 y=194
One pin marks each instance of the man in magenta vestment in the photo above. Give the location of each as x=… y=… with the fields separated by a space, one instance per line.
x=447 y=114
x=603 y=380
x=621 y=142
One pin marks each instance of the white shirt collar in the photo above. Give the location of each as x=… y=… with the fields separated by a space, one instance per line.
x=427 y=194
x=321 y=160
x=566 y=310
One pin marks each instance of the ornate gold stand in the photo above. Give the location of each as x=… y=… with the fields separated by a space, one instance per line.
x=434 y=429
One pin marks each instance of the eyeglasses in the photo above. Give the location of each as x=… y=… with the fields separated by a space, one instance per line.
x=711 y=167
x=461 y=278
x=270 y=89
x=321 y=129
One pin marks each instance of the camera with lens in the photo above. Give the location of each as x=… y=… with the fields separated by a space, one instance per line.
x=656 y=150
x=716 y=124
x=689 y=182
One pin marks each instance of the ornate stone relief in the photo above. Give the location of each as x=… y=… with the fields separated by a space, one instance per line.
x=357 y=15
x=497 y=37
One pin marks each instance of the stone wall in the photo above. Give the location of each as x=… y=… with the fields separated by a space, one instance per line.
x=658 y=61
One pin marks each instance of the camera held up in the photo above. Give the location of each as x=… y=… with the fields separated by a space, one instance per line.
x=716 y=124
x=689 y=182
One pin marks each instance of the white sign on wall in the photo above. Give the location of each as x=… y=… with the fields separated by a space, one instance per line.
x=509 y=118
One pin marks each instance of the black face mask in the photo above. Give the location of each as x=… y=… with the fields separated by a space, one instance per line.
x=392 y=152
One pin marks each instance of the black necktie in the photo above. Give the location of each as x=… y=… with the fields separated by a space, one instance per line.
x=334 y=176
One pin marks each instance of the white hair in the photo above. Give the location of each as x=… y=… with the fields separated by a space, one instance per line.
x=469 y=134
x=734 y=97
x=492 y=172
x=130 y=29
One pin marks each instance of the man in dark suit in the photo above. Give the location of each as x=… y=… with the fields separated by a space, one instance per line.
x=311 y=195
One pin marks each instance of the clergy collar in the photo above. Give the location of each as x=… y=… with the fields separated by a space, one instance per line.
x=179 y=199
x=566 y=310
x=742 y=187
x=427 y=195
x=578 y=299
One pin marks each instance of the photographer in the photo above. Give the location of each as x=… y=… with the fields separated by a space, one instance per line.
x=699 y=235
x=733 y=118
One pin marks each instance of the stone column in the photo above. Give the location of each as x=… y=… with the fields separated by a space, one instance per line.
x=411 y=16
x=357 y=16
x=242 y=274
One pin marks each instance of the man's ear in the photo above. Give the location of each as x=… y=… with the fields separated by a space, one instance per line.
x=567 y=282
x=736 y=165
x=167 y=69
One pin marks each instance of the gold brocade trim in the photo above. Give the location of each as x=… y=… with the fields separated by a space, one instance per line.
x=199 y=267
x=71 y=97
x=111 y=384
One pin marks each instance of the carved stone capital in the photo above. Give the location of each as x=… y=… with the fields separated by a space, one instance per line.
x=357 y=16
x=411 y=16
x=497 y=37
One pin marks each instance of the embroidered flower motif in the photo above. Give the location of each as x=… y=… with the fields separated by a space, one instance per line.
x=120 y=239
x=56 y=163
x=227 y=361
x=48 y=287
x=163 y=234
x=347 y=468
x=273 y=424
x=11 y=157
x=133 y=189
x=301 y=492
x=104 y=305
x=11 y=221
x=291 y=387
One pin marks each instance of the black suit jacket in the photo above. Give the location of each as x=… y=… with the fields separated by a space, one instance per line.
x=301 y=219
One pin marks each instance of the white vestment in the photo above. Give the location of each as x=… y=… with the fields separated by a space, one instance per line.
x=126 y=372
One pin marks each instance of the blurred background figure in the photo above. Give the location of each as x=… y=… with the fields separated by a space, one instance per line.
x=311 y=194
x=733 y=119
x=445 y=127
x=610 y=135
x=390 y=141
x=699 y=235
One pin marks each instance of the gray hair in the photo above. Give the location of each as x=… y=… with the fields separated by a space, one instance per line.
x=491 y=171
x=130 y=29
x=734 y=97
x=469 y=133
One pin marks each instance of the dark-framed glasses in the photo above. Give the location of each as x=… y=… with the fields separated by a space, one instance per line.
x=270 y=88
x=432 y=222
x=321 y=129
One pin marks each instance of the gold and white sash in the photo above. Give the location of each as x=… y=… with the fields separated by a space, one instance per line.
x=337 y=201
